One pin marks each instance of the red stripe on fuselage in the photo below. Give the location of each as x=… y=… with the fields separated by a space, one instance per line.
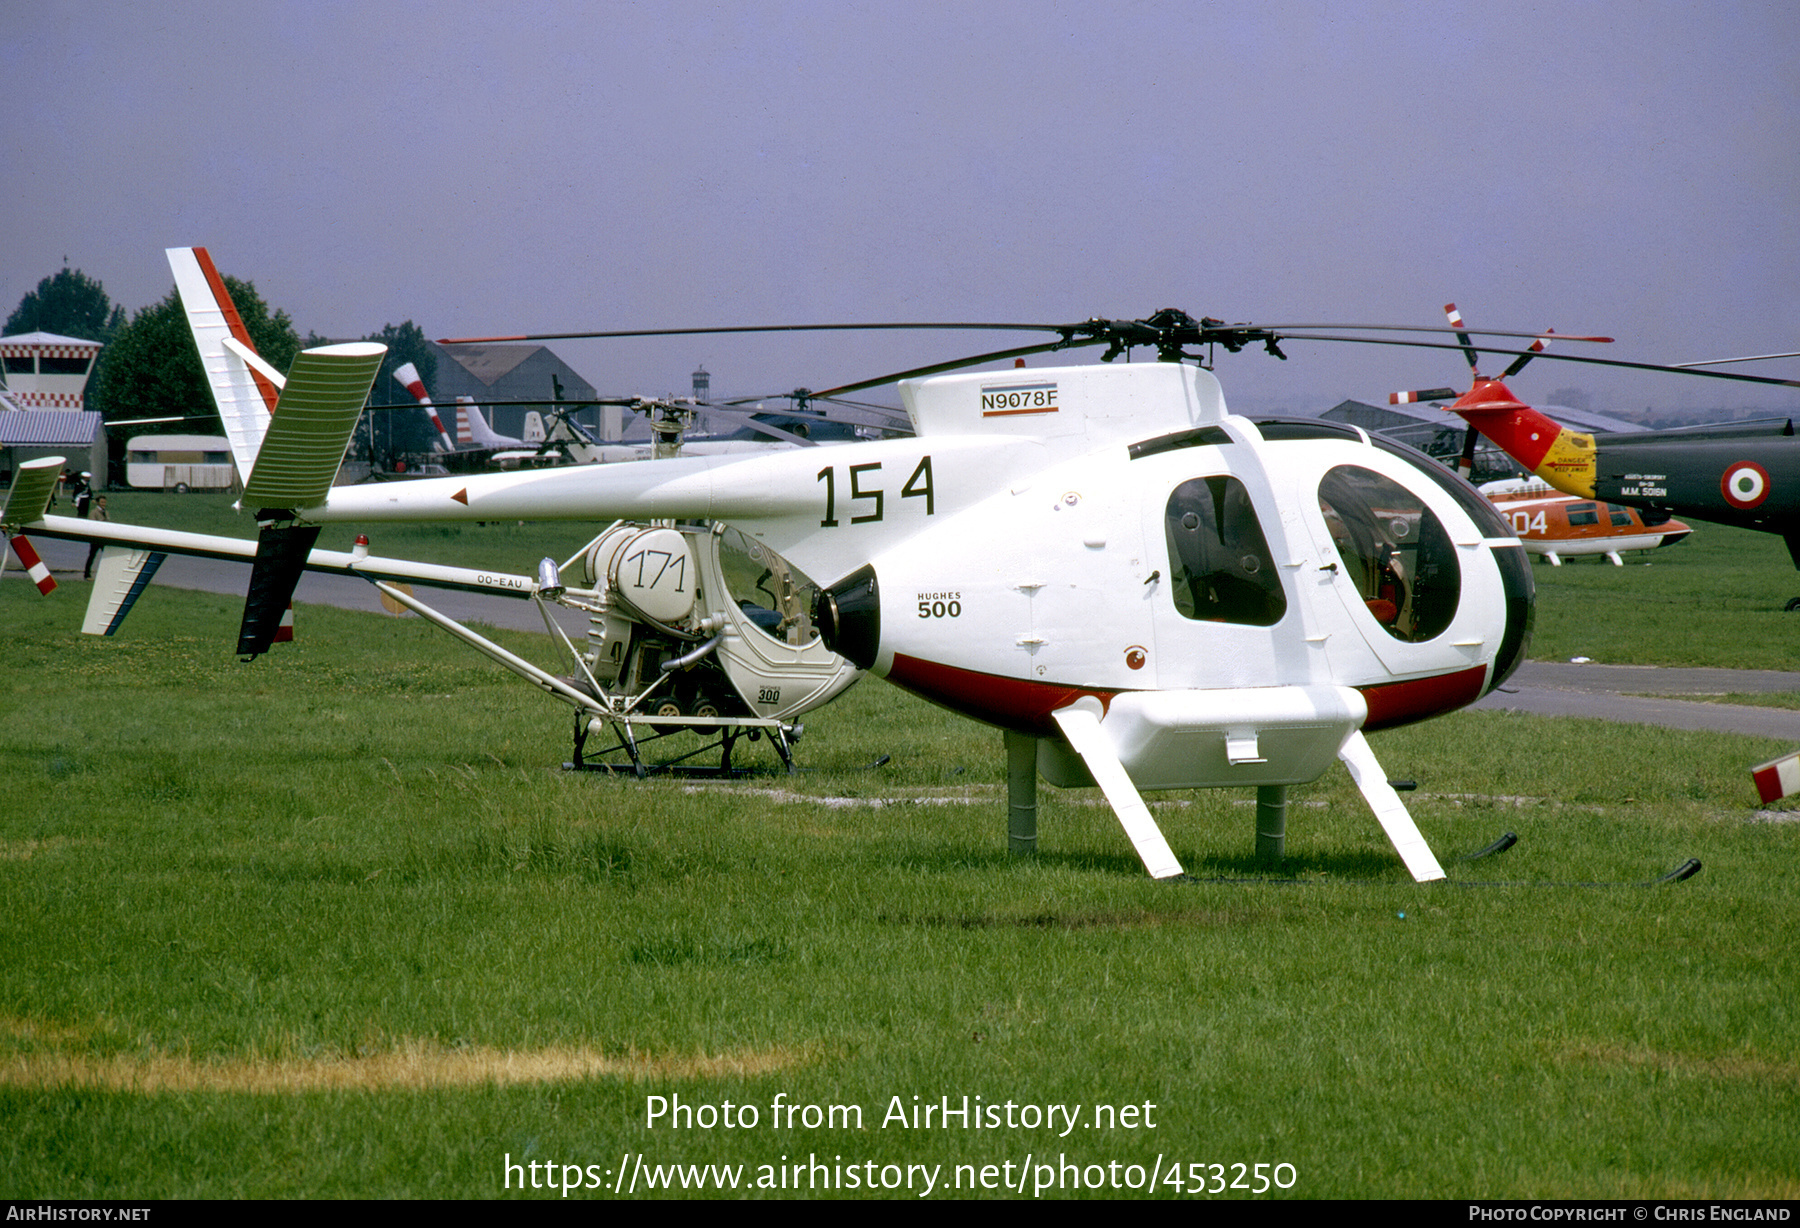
x=1402 y=703
x=1011 y=703
x=1025 y=706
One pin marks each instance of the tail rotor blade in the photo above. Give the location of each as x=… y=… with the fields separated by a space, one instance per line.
x=1424 y=394
x=1468 y=344
x=1537 y=347
x=1466 y=464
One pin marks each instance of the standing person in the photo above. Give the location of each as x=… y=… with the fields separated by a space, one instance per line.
x=98 y=513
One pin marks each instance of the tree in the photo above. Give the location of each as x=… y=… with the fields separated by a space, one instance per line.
x=70 y=304
x=152 y=369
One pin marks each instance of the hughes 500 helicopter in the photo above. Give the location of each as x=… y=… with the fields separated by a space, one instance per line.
x=1141 y=589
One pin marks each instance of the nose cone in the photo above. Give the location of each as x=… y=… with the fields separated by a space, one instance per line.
x=849 y=618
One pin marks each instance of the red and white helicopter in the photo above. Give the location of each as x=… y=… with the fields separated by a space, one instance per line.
x=1143 y=590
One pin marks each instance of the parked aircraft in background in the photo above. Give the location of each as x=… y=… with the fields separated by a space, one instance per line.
x=1559 y=526
x=1745 y=474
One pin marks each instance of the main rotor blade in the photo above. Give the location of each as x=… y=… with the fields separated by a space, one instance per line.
x=854 y=413
x=627 y=402
x=1468 y=346
x=1595 y=362
x=1520 y=363
x=974 y=360
x=743 y=419
x=1715 y=362
x=759 y=328
x=1291 y=330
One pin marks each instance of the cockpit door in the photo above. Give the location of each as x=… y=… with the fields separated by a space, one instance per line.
x=1398 y=572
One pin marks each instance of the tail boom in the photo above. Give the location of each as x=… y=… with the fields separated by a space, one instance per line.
x=1559 y=456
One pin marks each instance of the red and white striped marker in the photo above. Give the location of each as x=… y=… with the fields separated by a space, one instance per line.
x=284 y=631
x=1777 y=778
x=34 y=566
x=408 y=375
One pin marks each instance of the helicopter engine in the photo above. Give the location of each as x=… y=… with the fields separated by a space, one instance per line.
x=705 y=621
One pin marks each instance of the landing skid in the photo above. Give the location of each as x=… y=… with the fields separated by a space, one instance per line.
x=631 y=734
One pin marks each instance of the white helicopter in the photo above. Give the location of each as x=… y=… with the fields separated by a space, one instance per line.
x=1143 y=590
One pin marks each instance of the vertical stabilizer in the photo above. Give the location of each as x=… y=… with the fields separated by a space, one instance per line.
x=281 y=553
x=245 y=396
x=476 y=424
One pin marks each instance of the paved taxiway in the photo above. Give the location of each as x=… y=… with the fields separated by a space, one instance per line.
x=1545 y=688
x=1636 y=694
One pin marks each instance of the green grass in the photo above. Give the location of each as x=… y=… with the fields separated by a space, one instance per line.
x=1715 y=599
x=1753 y=699
x=291 y=928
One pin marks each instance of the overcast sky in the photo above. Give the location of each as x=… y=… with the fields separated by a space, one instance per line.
x=1622 y=168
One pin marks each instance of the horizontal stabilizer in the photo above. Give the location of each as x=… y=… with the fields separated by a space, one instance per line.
x=1366 y=771
x=32 y=487
x=120 y=577
x=1080 y=724
x=325 y=392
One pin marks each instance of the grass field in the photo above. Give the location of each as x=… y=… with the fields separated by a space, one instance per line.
x=333 y=924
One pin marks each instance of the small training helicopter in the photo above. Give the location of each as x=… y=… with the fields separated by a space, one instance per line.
x=691 y=627
x=1744 y=474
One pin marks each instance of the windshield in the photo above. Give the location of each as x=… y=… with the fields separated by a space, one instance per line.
x=772 y=593
x=1395 y=551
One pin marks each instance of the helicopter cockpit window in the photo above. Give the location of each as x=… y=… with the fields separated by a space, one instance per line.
x=1219 y=560
x=770 y=591
x=1394 y=550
